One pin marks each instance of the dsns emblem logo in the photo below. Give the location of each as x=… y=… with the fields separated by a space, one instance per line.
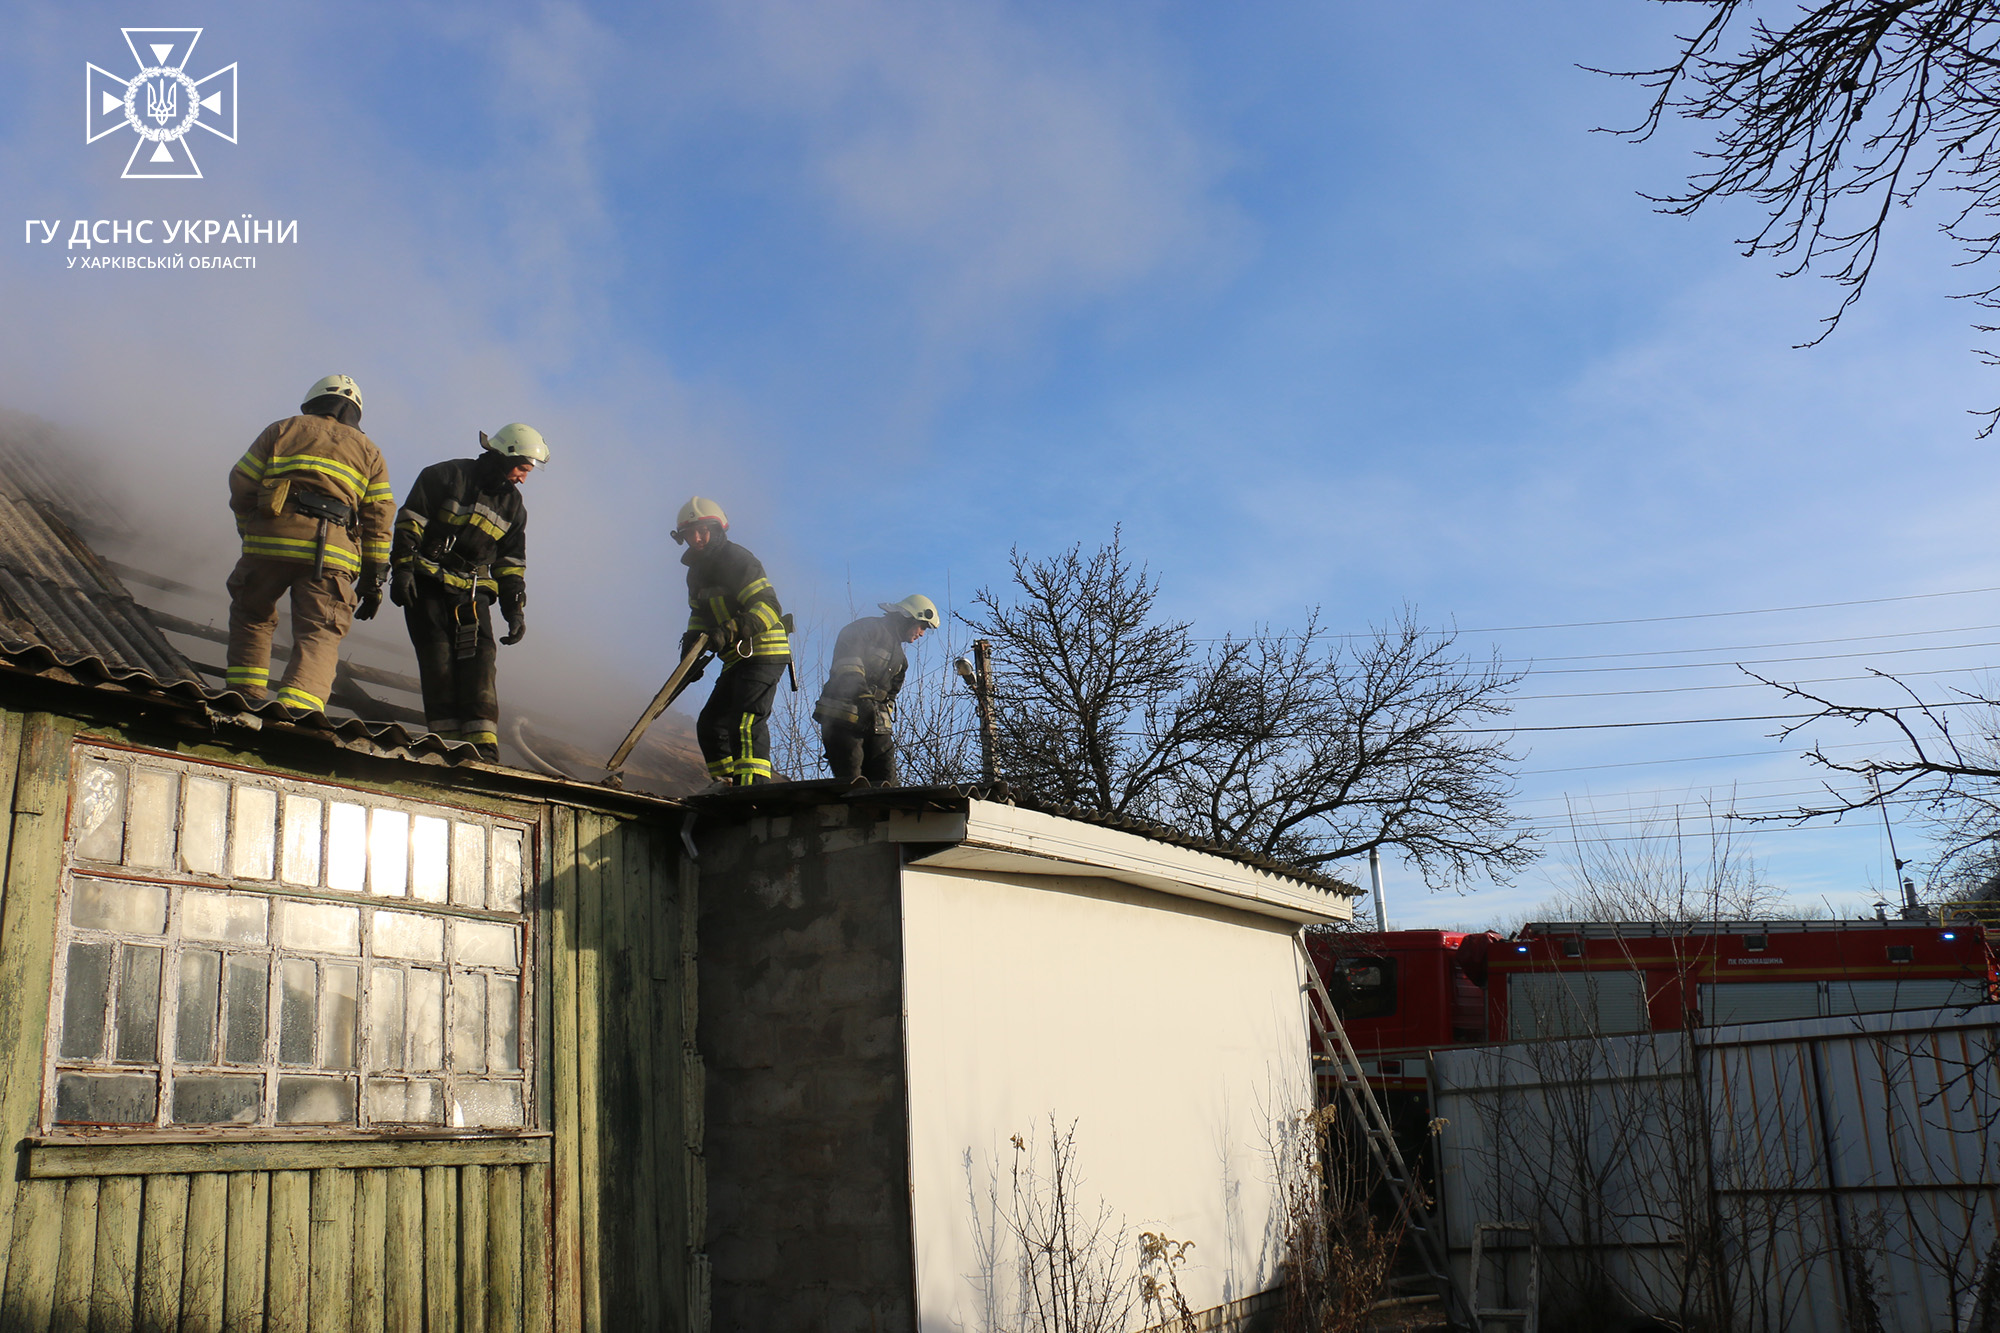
x=160 y=104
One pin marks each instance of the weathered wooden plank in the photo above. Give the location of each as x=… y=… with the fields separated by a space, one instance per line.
x=563 y=1240
x=592 y=830
x=55 y=1160
x=329 y=1304
x=441 y=1247
x=76 y=1262
x=693 y=1103
x=371 y=1224
x=247 y=1236
x=163 y=1238
x=28 y=926
x=503 y=1251
x=31 y=1259
x=637 y=904
x=619 y=1262
x=538 y=1288
x=472 y=1224
x=207 y=1254
x=287 y=1283
x=114 y=1285
x=403 y=1288
x=11 y=725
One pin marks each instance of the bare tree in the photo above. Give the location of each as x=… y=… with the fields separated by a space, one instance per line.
x=1831 y=117
x=1308 y=747
x=1669 y=869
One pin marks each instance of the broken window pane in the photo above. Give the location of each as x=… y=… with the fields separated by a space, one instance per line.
x=385 y=1019
x=468 y=865
x=321 y=927
x=224 y=918
x=503 y=1023
x=338 y=992
x=405 y=935
x=249 y=997
x=218 y=1099
x=86 y=990
x=149 y=831
x=315 y=1101
x=131 y=909
x=468 y=1026
x=482 y=944
x=107 y=1099
x=204 y=826
x=100 y=812
x=426 y=1020
x=139 y=1004
x=250 y=850
x=346 y=847
x=296 y=1008
x=200 y=1002
x=388 y=852
x=300 y=862
x=429 y=848
x=486 y=1105
x=404 y=1101
x=506 y=870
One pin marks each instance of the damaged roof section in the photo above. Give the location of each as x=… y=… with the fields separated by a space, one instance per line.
x=57 y=595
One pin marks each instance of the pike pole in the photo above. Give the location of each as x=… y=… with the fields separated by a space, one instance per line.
x=670 y=691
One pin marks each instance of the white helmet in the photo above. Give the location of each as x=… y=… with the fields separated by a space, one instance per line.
x=917 y=607
x=342 y=386
x=517 y=440
x=699 y=510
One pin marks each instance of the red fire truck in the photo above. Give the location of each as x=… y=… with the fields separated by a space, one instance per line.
x=1404 y=993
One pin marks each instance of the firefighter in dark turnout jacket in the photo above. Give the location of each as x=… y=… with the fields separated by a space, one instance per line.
x=313 y=506
x=857 y=709
x=462 y=542
x=731 y=601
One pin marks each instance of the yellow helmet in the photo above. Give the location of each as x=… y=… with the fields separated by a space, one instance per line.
x=699 y=510
x=518 y=440
x=342 y=386
x=917 y=607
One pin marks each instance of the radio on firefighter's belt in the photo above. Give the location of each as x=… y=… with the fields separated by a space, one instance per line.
x=321 y=506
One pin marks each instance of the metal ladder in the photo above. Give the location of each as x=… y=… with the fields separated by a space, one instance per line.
x=1525 y=1315
x=1418 y=1224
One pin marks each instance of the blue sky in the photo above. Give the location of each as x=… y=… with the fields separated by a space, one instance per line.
x=1328 y=305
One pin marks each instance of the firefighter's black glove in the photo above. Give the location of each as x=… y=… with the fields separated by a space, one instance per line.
x=517 y=623
x=403 y=587
x=369 y=602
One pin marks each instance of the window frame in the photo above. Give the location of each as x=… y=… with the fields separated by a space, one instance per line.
x=164 y=1065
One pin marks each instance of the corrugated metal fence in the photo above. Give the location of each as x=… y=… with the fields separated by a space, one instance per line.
x=1826 y=1174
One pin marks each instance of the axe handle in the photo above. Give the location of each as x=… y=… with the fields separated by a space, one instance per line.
x=666 y=696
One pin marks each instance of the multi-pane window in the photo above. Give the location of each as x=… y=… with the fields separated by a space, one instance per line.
x=235 y=949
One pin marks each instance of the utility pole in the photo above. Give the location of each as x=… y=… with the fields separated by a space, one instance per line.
x=977 y=673
x=1375 y=877
x=1911 y=911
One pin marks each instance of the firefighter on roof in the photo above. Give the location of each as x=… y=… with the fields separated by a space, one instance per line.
x=462 y=543
x=731 y=601
x=857 y=709
x=314 y=508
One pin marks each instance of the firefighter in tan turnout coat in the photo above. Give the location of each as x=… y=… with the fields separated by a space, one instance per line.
x=314 y=508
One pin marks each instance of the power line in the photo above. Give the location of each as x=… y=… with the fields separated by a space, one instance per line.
x=1763 y=661
x=1743 y=685
x=1700 y=721
x=1693 y=759
x=1716 y=615
x=1759 y=647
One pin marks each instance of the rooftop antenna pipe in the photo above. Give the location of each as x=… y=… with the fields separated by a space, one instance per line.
x=977 y=673
x=1911 y=911
x=1375 y=878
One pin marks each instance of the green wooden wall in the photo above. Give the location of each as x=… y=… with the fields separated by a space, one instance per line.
x=596 y=1226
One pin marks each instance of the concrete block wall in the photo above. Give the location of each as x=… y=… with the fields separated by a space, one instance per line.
x=801 y=1032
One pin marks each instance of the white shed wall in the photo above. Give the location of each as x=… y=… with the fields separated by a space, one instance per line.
x=1171 y=1031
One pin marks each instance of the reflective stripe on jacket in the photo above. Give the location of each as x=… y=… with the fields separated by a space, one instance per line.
x=731 y=601
x=319 y=454
x=482 y=516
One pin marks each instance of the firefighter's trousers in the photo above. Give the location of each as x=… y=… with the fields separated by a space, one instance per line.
x=859 y=752
x=460 y=701
x=322 y=610
x=734 y=726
